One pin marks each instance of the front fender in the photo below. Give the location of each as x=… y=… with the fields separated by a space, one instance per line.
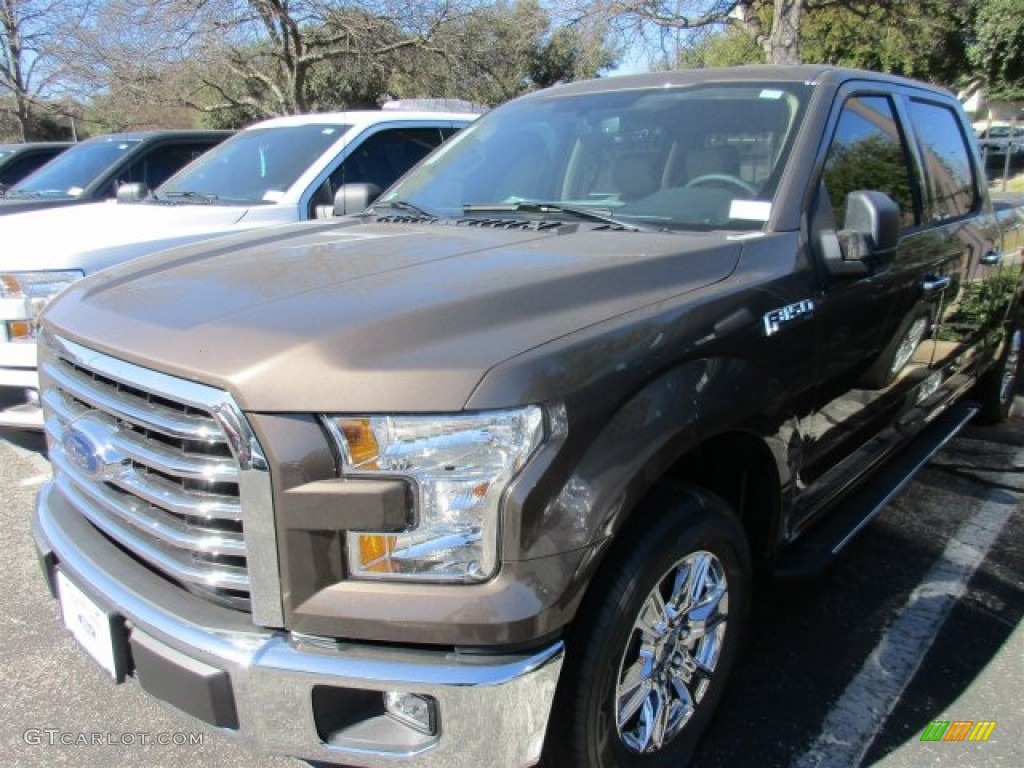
x=604 y=470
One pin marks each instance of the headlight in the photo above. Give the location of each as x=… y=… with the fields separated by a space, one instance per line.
x=459 y=466
x=24 y=296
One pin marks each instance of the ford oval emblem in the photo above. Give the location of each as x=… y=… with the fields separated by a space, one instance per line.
x=82 y=452
x=88 y=445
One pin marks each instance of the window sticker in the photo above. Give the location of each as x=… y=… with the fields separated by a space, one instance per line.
x=273 y=195
x=750 y=210
x=768 y=93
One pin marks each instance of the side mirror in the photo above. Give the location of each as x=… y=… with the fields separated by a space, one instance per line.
x=871 y=233
x=132 y=192
x=355 y=198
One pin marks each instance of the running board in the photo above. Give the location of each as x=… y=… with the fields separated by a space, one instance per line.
x=812 y=553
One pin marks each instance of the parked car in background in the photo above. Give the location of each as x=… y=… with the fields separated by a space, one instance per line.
x=93 y=169
x=19 y=160
x=278 y=171
x=997 y=140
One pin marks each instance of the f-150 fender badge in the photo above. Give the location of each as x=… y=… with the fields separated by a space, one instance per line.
x=774 y=320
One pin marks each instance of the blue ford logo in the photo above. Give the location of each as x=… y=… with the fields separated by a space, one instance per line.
x=82 y=452
x=87 y=446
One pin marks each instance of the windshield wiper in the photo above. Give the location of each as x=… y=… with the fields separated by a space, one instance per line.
x=531 y=206
x=199 y=197
x=401 y=205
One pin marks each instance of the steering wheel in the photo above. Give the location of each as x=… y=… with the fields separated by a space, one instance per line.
x=721 y=178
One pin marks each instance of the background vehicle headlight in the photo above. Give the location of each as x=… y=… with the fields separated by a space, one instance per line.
x=459 y=466
x=25 y=294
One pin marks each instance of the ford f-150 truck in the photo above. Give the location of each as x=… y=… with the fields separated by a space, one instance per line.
x=484 y=475
x=281 y=170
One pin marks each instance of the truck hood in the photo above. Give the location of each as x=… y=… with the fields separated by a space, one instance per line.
x=343 y=316
x=95 y=235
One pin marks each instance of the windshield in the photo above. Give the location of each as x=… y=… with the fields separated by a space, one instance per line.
x=74 y=169
x=254 y=166
x=693 y=157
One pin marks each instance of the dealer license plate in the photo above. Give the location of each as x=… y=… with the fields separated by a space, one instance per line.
x=97 y=631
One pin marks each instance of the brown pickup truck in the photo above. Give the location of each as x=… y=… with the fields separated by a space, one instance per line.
x=484 y=475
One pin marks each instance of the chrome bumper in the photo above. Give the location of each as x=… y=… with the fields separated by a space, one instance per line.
x=491 y=710
x=18 y=376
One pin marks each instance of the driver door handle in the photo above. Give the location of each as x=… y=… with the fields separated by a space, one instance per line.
x=934 y=285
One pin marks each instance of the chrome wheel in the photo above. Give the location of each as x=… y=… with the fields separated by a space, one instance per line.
x=1011 y=368
x=672 y=652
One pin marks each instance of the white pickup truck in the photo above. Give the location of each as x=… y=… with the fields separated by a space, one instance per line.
x=282 y=170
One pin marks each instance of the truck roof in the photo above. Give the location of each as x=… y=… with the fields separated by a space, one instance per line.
x=363 y=117
x=821 y=73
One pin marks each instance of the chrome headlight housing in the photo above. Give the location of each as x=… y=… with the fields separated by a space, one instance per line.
x=24 y=295
x=458 y=466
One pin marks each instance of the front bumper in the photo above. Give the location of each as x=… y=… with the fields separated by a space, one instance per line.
x=19 y=385
x=306 y=697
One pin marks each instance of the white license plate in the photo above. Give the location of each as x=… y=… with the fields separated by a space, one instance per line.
x=92 y=627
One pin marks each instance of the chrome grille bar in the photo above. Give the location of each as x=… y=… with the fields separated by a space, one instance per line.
x=127 y=407
x=149 y=519
x=147 y=549
x=168 y=469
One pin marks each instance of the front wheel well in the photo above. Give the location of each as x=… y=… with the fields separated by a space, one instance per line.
x=740 y=468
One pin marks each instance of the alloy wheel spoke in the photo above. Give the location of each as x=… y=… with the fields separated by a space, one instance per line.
x=659 y=723
x=653 y=621
x=635 y=687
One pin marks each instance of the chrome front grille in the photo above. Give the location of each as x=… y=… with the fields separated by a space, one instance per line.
x=166 y=468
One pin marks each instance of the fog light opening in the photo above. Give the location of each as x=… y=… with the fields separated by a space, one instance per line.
x=417 y=712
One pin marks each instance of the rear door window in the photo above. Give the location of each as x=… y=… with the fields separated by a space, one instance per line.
x=951 y=184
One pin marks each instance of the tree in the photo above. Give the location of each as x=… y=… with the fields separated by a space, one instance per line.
x=996 y=49
x=917 y=38
x=35 y=45
x=778 y=28
x=923 y=39
x=273 y=57
x=666 y=27
x=498 y=51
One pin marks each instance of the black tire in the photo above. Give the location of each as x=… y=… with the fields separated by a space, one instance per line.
x=998 y=386
x=680 y=528
x=898 y=352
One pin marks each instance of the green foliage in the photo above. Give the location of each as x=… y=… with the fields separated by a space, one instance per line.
x=730 y=48
x=497 y=52
x=980 y=301
x=996 y=49
x=915 y=38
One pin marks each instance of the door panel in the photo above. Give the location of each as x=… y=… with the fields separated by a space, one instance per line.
x=871 y=325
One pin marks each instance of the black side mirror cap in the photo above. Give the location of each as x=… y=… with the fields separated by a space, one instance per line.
x=355 y=198
x=871 y=233
x=132 y=192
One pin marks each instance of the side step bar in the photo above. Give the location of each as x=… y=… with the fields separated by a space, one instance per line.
x=812 y=553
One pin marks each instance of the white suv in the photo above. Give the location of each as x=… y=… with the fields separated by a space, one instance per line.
x=282 y=170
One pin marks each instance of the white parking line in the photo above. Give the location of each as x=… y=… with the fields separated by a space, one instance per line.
x=859 y=714
x=29 y=482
